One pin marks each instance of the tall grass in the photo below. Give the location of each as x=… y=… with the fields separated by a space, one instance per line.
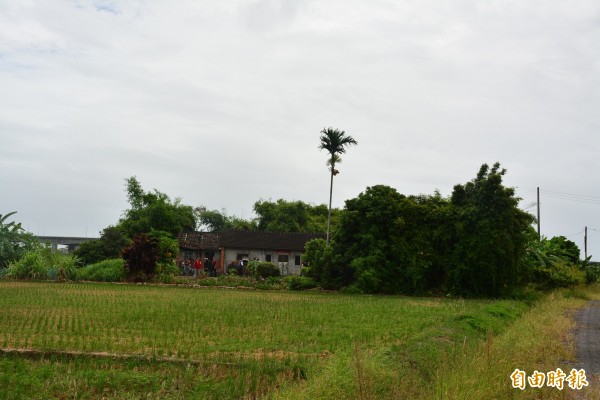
x=42 y=263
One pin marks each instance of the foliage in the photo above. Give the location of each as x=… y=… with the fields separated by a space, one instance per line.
x=554 y=262
x=335 y=142
x=567 y=249
x=292 y=216
x=263 y=269
x=473 y=243
x=490 y=236
x=166 y=272
x=141 y=258
x=382 y=244
x=215 y=220
x=42 y=263
x=112 y=270
x=14 y=240
x=295 y=282
x=317 y=259
x=154 y=211
x=167 y=247
x=592 y=270
x=112 y=241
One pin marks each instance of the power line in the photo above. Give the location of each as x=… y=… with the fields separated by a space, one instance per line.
x=572 y=197
x=575 y=234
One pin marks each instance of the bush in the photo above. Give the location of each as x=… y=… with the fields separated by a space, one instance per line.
x=296 y=282
x=266 y=270
x=43 y=263
x=166 y=272
x=592 y=271
x=557 y=274
x=112 y=270
x=141 y=258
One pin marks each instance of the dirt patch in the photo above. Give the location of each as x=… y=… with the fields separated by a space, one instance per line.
x=257 y=355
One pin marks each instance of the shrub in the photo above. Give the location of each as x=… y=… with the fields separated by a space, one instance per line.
x=592 y=271
x=296 y=282
x=43 y=263
x=141 y=258
x=166 y=272
x=557 y=274
x=266 y=270
x=30 y=266
x=112 y=270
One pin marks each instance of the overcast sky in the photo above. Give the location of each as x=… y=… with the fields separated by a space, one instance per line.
x=221 y=103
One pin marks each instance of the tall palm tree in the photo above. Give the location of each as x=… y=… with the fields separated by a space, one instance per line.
x=335 y=142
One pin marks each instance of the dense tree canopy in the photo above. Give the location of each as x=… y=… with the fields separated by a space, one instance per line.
x=215 y=220
x=473 y=243
x=110 y=244
x=154 y=211
x=490 y=234
x=292 y=216
x=149 y=212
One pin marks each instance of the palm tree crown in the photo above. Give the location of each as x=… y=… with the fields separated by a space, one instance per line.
x=335 y=142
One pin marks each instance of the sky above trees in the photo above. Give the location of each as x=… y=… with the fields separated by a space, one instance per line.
x=221 y=103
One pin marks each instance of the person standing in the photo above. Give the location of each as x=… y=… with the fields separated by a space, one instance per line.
x=197 y=266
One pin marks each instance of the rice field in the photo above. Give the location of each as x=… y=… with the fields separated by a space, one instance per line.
x=80 y=340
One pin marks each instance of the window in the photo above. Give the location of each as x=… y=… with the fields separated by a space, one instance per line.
x=282 y=258
x=297 y=260
x=268 y=258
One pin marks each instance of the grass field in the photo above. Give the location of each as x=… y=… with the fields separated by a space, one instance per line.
x=67 y=340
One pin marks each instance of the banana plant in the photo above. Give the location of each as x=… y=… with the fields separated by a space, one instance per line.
x=14 y=240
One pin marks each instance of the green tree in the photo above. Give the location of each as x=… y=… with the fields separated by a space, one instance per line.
x=335 y=143
x=318 y=260
x=292 y=216
x=490 y=236
x=110 y=244
x=215 y=220
x=554 y=262
x=383 y=243
x=568 y=249
x=14 y=240
x=154 y=210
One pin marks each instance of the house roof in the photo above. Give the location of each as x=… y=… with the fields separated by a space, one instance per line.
x=246 y=240
x=198 y=240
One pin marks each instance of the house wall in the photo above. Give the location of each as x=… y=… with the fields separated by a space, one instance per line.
x=289 y=268
x=191 y=255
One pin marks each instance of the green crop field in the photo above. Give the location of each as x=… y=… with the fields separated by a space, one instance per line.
x=71 y=340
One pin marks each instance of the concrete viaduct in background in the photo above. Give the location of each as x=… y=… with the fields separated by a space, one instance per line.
x=71 y=242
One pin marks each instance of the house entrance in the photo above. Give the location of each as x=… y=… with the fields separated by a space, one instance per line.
x=283 y=264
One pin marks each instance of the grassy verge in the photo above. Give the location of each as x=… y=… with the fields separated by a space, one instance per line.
x=471 y=357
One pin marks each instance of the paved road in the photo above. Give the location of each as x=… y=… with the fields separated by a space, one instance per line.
x=587 y=337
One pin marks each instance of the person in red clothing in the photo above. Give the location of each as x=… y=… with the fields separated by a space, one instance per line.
x=197 y=266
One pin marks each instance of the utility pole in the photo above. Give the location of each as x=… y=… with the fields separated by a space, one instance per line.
x=585 y=243
x=538 y=214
